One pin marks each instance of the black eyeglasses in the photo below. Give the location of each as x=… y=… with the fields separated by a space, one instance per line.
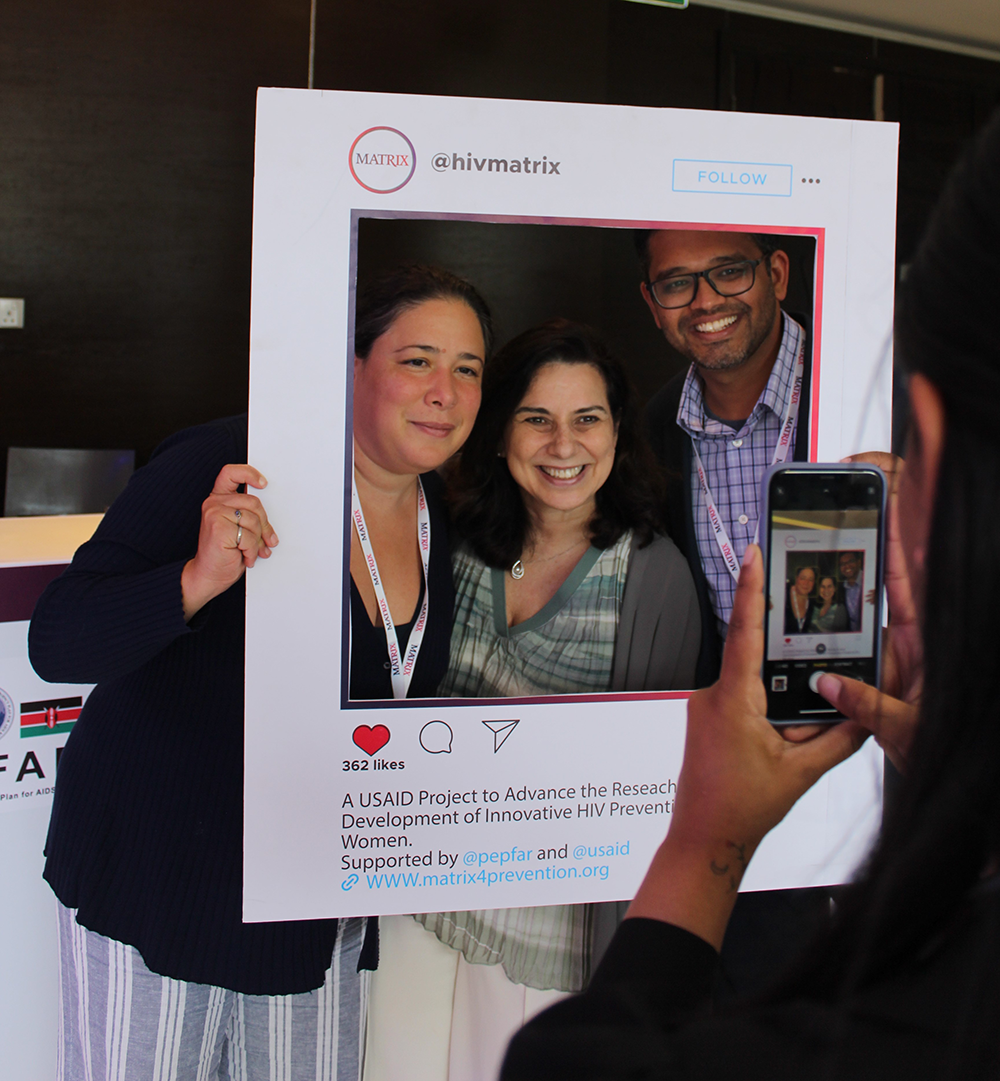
x=728 y=280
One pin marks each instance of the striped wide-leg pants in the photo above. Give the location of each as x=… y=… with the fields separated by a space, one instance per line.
x=120 y=1022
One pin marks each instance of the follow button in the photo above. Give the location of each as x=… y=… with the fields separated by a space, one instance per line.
x=732 y=177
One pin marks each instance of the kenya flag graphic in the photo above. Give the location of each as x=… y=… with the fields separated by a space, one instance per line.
x=49 y=718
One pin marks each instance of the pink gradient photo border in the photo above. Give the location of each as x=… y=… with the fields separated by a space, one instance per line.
x=818 y=233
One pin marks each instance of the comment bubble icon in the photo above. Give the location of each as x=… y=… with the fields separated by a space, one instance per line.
x=436 y=737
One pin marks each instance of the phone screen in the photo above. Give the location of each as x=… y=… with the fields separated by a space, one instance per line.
x=823 y=584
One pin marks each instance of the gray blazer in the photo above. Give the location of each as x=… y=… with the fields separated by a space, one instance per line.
x=659 y=636
x=659 y=630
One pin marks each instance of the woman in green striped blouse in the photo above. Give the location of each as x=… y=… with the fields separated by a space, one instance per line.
x=565 y=583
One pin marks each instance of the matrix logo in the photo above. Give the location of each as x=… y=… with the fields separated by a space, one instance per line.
x=382 y=160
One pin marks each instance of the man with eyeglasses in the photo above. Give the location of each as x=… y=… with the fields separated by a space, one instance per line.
x=716 y=296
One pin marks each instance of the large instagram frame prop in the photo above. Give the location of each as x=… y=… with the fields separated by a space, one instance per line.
x=496 y=803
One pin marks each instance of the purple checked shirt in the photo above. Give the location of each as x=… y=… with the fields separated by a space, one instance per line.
x=734 y=463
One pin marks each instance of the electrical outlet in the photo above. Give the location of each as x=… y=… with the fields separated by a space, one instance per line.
x=11 y=312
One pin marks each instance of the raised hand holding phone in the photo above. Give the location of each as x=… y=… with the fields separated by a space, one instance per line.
x=891 y=712
x=739 y=779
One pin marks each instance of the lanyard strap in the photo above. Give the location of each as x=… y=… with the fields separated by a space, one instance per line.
x=400 y=668
x=780 y=455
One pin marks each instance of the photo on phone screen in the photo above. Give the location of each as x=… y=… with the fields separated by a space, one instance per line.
x=823 y=584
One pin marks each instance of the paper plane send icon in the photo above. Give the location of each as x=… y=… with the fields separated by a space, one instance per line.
x=501 y=730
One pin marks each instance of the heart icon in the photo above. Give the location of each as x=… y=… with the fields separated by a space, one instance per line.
x=371 y=740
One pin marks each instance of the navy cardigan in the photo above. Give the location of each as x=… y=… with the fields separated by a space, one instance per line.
x=146 y=832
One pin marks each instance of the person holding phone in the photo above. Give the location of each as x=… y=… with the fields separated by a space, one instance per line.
x=906 y=981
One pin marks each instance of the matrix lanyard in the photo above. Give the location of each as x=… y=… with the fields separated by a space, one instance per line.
x=780 y=455
x=400 y=668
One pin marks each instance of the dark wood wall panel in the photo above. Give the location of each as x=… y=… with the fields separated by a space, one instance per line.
x=125 y=203
x=127 y=152
x=708 y=58
x=556 y=50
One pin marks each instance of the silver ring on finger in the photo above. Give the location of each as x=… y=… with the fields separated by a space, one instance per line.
x=239 y=535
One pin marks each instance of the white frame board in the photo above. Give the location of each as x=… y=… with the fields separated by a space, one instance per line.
x=592 y=777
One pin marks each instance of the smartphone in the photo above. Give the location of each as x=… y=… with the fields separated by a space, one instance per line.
x=823 y=533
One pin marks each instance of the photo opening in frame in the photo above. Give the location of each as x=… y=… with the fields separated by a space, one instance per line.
x=531 y=271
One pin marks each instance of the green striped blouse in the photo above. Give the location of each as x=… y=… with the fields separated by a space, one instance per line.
x=567 y=647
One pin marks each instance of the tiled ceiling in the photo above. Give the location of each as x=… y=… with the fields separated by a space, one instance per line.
x=972 y=22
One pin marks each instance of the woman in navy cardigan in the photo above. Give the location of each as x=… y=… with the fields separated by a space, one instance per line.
x=145 y=847
x=145 y=851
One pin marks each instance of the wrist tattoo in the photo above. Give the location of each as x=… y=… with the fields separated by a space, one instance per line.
x=735 y=867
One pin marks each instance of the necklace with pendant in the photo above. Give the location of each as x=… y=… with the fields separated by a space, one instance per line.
x=517 y=570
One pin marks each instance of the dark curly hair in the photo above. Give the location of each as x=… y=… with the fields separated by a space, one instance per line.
x=384 y=298
x=941 y=835
x=487 y=504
